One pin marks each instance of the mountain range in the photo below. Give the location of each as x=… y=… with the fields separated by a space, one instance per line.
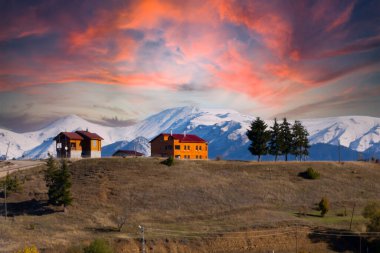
x=224 y=129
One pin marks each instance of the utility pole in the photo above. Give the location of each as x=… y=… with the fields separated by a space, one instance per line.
x=5 y=197
x=352 y=215
x=339 y=151
x=296 y=238
x=6 y=154
x=143 y=238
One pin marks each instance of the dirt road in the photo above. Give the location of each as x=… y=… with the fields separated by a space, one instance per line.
x=16 y=165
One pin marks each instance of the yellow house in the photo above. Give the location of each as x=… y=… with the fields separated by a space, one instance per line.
x=180 y=146
x=78 y=144
x=68 y=145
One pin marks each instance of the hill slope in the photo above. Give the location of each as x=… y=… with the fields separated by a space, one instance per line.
x=192 y=199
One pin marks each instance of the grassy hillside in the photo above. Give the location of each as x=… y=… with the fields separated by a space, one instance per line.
x=193 y=206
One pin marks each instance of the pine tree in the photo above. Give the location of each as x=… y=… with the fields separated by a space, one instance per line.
x=297 y=142
x=50 y=171
x=285 y=138
x=274 y=142
x=305 y=144
x=59 y=183
x=300 y=143
x=65 y=181
x=259 y=137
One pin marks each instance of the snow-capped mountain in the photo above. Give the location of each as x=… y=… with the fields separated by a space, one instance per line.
x=223 y=129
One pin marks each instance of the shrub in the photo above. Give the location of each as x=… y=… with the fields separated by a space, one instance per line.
x=219 y=158
x=31 y=249
x=324 y=206
x=371 y=209
x=75 y=249
x=169 y=161
x=12 y=183
x=374 y=224
x=310 y=173
x=98 y=246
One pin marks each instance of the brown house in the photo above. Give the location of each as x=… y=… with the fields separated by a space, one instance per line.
x=78 y=144
x=180 y=146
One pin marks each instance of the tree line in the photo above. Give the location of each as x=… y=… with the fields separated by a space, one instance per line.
x=281 y=139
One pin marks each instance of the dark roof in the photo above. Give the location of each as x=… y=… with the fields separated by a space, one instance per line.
x=89 y=135
x=69 y=135
x=184 y=137
x=128 y=152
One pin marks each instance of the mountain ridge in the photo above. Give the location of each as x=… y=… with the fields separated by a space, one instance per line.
x=224 y=129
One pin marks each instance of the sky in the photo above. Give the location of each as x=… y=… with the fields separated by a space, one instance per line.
x=117 y=62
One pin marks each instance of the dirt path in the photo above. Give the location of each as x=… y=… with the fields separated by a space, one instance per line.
x=16 y=165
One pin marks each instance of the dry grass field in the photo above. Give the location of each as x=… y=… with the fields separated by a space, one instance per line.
x=194 y=206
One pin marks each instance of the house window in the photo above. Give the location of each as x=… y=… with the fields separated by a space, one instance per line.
x=178 y=156
x=94 y=143
x=200 y=157
x=177 y=147
x=200 y=147
x=185 y=147
x=196 y=157
x=188 y=147
x=196 y=147
x=73 y=146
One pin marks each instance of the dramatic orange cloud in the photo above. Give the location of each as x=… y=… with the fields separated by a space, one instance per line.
x=270 y=51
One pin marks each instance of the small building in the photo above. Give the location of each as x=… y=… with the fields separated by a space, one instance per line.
x=91 y=144
x=127 y=153
x=78 y=144
x=180 y=146
x=68 y=145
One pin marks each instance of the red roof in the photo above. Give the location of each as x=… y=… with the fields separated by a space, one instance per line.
x=69 y=135
x=89 y=135
x=187 y=138
x=184 y=137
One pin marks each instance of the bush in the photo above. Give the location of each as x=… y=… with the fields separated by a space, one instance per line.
x=31 y=249
x=75 y=249
x=310 y=173
x=374 y=224
x=169 y=161
x=12 y=183
x=371 y=209
x=324 y=206
x=98 y=246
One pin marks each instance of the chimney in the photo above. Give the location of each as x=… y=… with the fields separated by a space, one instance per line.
x=184 y=133
x=87 y=129
x=171 y=132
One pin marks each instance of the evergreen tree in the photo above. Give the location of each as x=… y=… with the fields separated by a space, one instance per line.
x=285 y=138
x=274 y=142
x=11 y=184
x=305 y=144
x=59 y=183
x=259 y=137
x=50 y=171
x=300 y=143
x=297 y=142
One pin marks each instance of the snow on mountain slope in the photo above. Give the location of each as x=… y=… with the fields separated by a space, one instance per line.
x=18 y=143
x=223 y=129
x=356 y=132
x=72 y=123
